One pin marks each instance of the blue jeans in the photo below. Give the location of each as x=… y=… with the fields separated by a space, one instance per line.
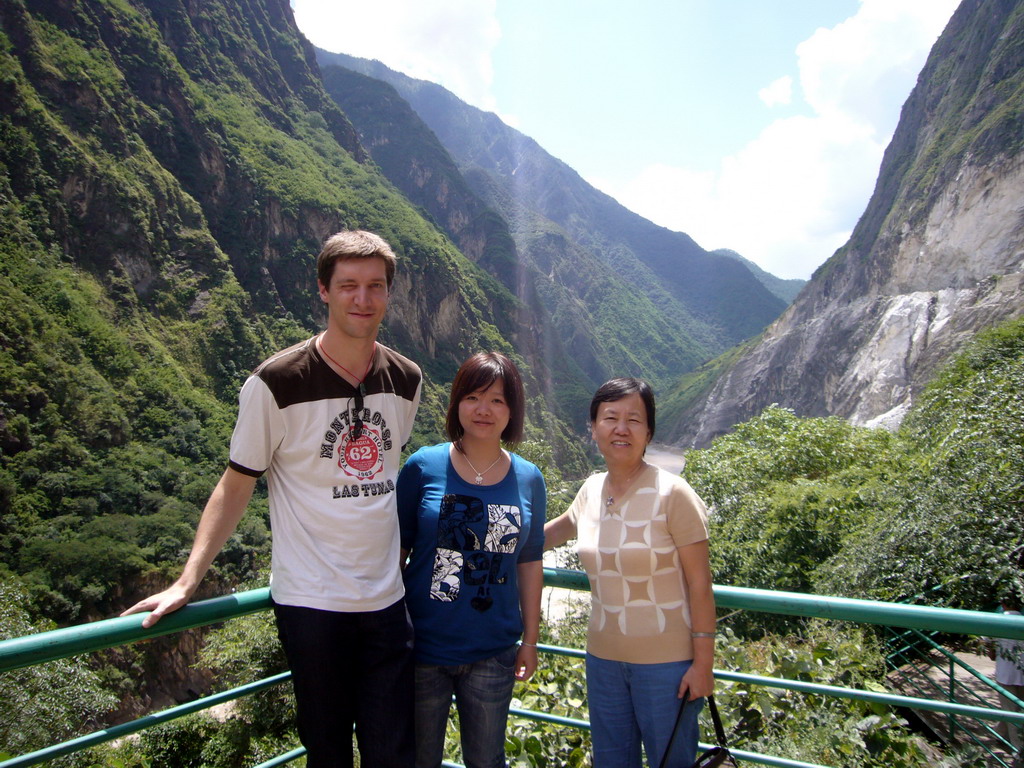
x=634 y=704
x=483 y=691
x=351 y=668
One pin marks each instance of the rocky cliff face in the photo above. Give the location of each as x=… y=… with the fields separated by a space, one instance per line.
x=937 y=256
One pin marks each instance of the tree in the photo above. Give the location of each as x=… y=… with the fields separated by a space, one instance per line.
x=782 y=491
x=956 y=514
x=46 y=703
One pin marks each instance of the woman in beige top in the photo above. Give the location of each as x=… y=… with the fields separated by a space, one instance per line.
x=641 y=534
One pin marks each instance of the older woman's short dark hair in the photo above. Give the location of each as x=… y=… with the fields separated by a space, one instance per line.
x=616 y=389
x=479 y=372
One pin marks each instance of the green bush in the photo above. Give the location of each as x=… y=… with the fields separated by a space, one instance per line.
x=783 y=491
x=812 y=728
x=954 y=517
x=46 y=703
x=818 y=505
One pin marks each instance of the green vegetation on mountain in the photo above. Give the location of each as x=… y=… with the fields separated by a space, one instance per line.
x=47 y=702
x=785 y=289
x=108 y=449
x=817 y=505
x=167 y=174
x=664 y=304
x=573 y=310
x=693 y=387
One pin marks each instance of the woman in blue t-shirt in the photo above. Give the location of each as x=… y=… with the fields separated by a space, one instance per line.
x=472 y=521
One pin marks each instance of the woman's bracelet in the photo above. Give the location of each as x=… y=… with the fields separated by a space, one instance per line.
x=529 y=645
x=702 y=634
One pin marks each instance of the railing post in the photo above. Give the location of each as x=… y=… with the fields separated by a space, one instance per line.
x=952 y=700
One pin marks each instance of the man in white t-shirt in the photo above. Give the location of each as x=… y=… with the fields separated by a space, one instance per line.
x=326 y=421
x=1009 y=657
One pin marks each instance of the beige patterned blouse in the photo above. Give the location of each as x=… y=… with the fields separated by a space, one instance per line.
x=640 y=610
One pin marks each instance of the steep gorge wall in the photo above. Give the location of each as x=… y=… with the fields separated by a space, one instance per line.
x=937 y=256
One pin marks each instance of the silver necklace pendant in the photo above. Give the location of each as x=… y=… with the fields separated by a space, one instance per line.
x=610 y=501
x=479 y=479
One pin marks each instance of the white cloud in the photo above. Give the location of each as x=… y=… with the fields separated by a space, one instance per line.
x=779 y=92
x=792 y=195
x=786 y=200
x=865 y=66
x=775 y=201
x=444 y=41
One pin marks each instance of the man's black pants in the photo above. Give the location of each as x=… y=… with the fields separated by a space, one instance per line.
x=351 y=668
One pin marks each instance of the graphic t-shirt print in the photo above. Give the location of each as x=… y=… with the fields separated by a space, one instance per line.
x=473 y=540
x=362 y=457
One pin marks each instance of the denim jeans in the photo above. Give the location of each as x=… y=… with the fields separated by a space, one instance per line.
x=634 y=704
x=483 y=691
x=351 y=668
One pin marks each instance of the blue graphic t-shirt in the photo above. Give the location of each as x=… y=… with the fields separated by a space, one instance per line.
x=466 y=542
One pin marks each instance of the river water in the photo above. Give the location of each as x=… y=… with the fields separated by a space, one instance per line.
x=668 y=457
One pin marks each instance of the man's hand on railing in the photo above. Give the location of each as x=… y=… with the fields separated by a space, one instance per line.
x=219 y=520
x=162 y=603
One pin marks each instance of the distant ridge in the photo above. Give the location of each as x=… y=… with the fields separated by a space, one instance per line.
x=590 y=261
x=785 y=288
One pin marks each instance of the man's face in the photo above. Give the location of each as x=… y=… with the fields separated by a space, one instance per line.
x=356 y=297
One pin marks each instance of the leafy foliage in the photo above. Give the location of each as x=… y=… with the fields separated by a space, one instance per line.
x=818 y=505
x=246 y=650
x=45 y=703
x=817 y=729
x=823 y=730
x=783 y=493
x=955 y=515
x=558 y=687
x=104 y=449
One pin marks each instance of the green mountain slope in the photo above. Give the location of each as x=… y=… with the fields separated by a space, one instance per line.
x=785 y=289
x=168 y=171
x=561 y=225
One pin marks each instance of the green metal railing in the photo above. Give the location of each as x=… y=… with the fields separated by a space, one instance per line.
x=61 y=643
x=920 y=652
x=911 y=654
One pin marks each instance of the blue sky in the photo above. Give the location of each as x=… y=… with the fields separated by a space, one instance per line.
x=756 y=125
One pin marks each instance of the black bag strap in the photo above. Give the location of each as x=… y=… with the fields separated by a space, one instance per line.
x=715 y=718
x=672 y=738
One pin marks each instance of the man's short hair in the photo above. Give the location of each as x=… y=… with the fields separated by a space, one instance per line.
x=479 y=372
x=354 y=244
